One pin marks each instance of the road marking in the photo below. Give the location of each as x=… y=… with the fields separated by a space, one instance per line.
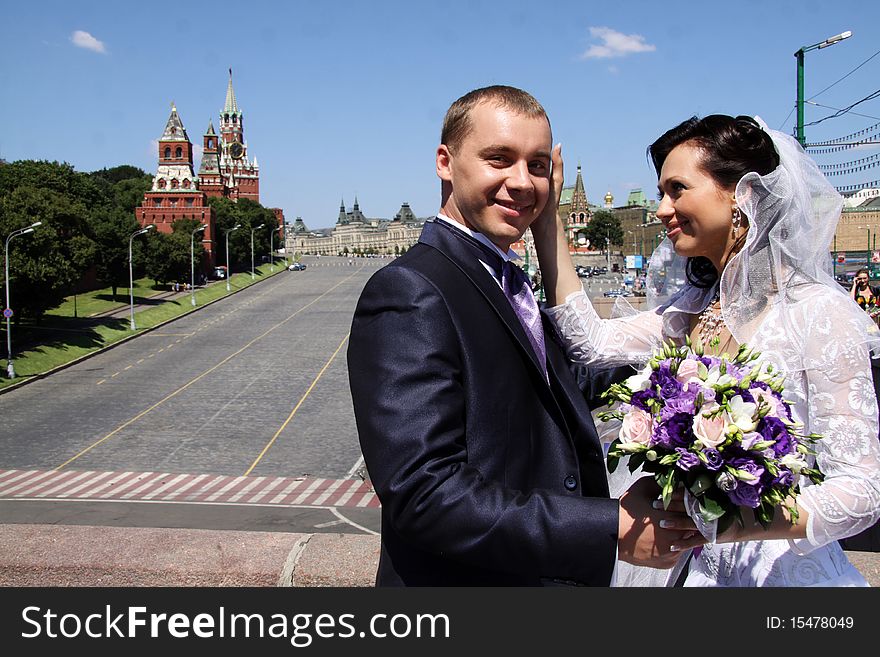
x=101 y=381
x=357 y=466
x=308 y=491
x=109 y=486
x=268 y=489
x=28 y=479
x=133 y=481
x=204 y=374
x=247 y=489
x=296 y=408
x=186 y=487
x=288 y=489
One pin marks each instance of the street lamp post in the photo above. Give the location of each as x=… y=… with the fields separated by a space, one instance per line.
x=271 y=250
x=10 y=368
x=253 y=230
x=192 y=262
x=228 y=267
x=131 y=271
x=830 y=41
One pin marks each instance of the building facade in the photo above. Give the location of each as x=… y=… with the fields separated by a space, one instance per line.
x=226 y=171
x=355 y=233
x=175 y=194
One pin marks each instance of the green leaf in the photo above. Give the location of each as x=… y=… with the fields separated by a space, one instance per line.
x=613 y=461
x=710 y=509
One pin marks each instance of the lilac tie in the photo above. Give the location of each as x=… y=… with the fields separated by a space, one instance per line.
x=518 y=291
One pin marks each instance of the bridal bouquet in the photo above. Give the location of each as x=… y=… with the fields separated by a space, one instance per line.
x=717 y=425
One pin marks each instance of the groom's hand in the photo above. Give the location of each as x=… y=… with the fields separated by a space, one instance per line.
x=650 y=536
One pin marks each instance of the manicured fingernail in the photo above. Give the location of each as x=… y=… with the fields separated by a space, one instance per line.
x=674 y=548
x=657 y=504
x=666 y=524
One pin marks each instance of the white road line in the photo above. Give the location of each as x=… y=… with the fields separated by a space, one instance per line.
x=268 y=489
x=185 y=487
x=145 y=485
x=226 y=488
x=28 y=480
x=327 y=493
x=165 y=486
x=244 y=491
x=292 y=486
x=65 y=484
x=204 y=489
x=355 y=468
x=119 y=477
x=308 y=491
x=355 y=485
x=366 y=499
x=128 y=484
x=10 y=473
x=85 y=484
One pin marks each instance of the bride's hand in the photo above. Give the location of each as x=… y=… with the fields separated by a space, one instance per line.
x=547 y=219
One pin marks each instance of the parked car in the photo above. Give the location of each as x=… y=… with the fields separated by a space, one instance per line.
x=220 y=272
x=296 y=266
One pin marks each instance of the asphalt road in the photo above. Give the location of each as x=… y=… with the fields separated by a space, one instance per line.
x=250 y=392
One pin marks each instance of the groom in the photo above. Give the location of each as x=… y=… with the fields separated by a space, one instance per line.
x=475 y=435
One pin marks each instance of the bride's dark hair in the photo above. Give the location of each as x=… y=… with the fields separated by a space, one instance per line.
x=731 y=147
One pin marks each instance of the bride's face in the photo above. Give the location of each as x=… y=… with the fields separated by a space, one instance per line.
x=695 y=210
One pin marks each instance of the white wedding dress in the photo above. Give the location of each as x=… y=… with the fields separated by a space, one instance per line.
x=833 y=395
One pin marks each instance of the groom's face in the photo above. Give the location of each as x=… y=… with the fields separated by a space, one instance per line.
x=499 y=174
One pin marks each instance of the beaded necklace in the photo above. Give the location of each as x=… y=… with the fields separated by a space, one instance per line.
x=710 y=321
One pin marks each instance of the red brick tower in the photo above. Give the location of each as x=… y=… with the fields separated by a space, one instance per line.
x=175 y=193
x=241 y=177
x=210 y=178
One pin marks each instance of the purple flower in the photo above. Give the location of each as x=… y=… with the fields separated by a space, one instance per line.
x=683 y=402
x=677 y=431
x=772 y=428
x=745 y=496
x=714 y=459
x=669 y=386
x=785 y=478
x=687 y=459
x=640 y=398
x=748 y=465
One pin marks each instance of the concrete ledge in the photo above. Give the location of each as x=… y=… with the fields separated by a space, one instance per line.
x=66 y=555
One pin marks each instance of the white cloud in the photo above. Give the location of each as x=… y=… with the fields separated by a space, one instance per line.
x=615 y=44
x=85 y=40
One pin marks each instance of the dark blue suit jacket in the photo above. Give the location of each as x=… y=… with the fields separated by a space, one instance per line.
x=487 y=474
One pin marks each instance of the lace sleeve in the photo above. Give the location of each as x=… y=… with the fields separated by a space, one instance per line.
x=843 y=409
x=590 y=340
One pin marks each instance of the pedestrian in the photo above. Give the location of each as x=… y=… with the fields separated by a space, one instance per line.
x=475 y=435
x=749 y=219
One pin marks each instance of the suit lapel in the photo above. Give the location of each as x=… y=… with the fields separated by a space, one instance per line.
x=466 y=256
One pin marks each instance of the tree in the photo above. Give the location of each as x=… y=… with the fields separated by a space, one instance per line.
x=167 y=257
x=604 y=224
x=49 y=262
x=112 y=228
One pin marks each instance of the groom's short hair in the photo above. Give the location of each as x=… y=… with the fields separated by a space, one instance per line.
x=457 y=122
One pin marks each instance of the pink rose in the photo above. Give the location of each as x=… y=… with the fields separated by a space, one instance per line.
x=637 y=427
x=688 y=369
x=710 y=431
x=770 y=399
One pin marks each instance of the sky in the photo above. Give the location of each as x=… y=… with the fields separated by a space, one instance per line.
x=345 y=99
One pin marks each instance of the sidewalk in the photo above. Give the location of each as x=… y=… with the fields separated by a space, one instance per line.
x=64 y=555
x=67 y=555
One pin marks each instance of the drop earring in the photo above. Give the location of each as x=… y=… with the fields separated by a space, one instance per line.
x=737 y=220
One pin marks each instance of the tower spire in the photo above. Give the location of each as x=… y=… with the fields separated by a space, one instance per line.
x=231 y=106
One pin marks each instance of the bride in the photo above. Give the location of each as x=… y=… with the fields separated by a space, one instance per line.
x=749 y=220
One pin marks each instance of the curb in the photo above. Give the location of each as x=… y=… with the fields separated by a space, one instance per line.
x=140 y=332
